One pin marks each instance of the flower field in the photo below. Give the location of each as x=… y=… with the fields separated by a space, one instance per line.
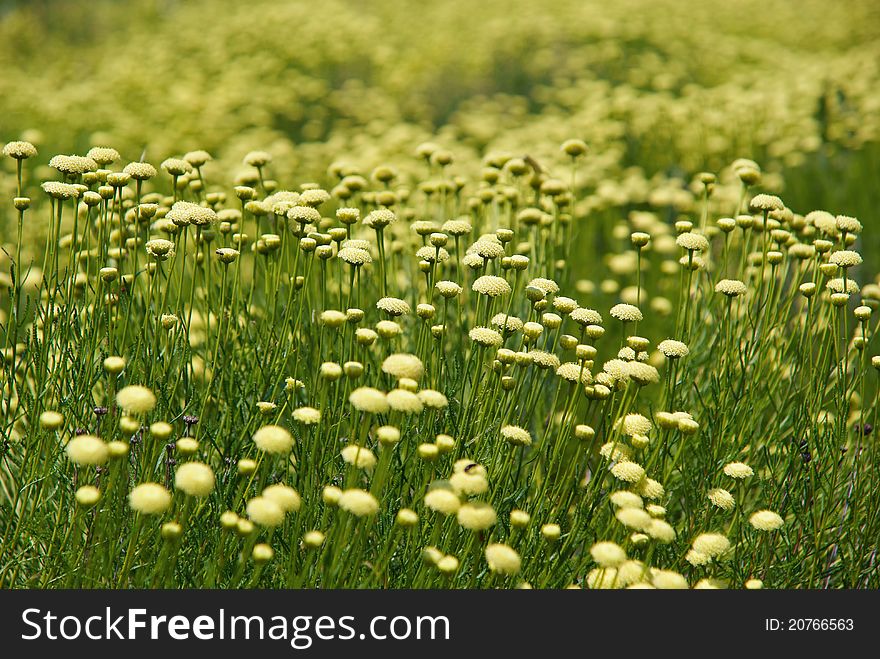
x=488 y=295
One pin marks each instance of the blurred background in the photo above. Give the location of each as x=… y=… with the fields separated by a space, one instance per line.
x=659 y=89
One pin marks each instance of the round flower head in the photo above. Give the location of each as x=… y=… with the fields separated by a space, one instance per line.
x=447 y=289
x=516 y=435
x=731 y=287
x=140 y=171
x=473 y=261
x=308 y=416
x=469 y=466
x=823 y=221
x=160 y=249
x=19 y=150
x=507 y=323
x=195 y=479
x=602 y=578
x=635 y=518
x=313 y=539
x=194 y=214
x=491 y=286
x=765 y=203
x=359 y=503
x=332 y=318
x=615 y=451
x=114 y=364
x=710 y=584
x=626 y=499
x=330 y=495
x=348 y=215
x=357 y=244
x=641 y=373
x=171 y=530
x=442 y=500
x=519 y=518
x=551 y=532
x=197 y=158
x=265 y=512
x=721 y=498
x=355 y=256
x=273 y=439
x=583 y=316
x=404 y=401
x=650 y=489
x=103 y=155
x=697 y=559
x=766 y=520
x=284 y=496
x=626 y=313
x=402 y=365
x=848 y=224
x=87 y=450
x=262 y=553
x=257 y=159
x=660 y=530
x=738 y=470
x=486 y=248
x=635 y=424
x=61 y=191
x=393 y=306
x=388 y=329
x=458 y=227
x=543 y=359
x=477 y=516
x=51 y=420
x=546 y=286
x=629 y=472
x=388 y=435
x=574 y=372
x=379 y=219
x=432 y=254
x=711 y=544
x=486 y=337
x=503 y=559
x=358 y=456
x=433 y=399
x=845 y=258
x=630 y=571
x=692 y=242
x=73 y=165
x=406 y=518
x=314 y=197
x=448 y=565
x=149 y=499
x=837 y=285
x=673 y=349
x=469 y=483
x=668 y=580
x=608 y=554
x=87 y=496
x=226 y=255
x=136 y=399
x=370 y=400
x=187 y=445
x=428 y=452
